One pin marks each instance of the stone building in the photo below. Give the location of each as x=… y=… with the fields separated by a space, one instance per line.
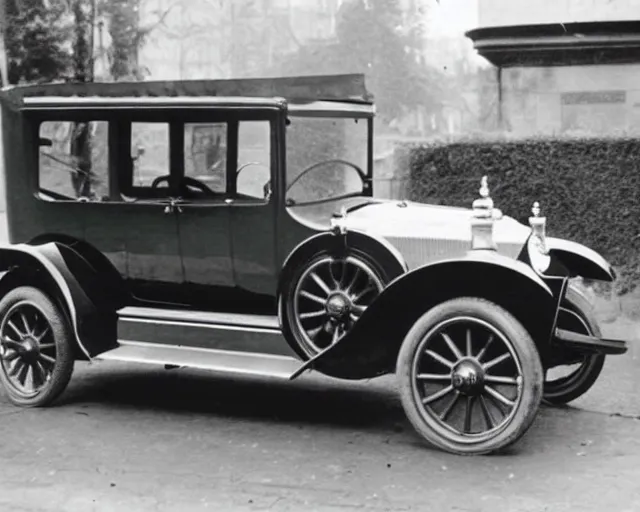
x=564 y=66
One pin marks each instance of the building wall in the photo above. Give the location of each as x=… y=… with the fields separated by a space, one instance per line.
x=587 y=100
x=517 y=12
x=596 y=100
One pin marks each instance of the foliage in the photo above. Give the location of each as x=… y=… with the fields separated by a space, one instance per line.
x=371 y=39
x=589 y=189
x=37 y=41
x=54 y=40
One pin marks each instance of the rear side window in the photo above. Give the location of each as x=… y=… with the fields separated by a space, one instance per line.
x=150 y=154
x=205 y=154
x=74 y=160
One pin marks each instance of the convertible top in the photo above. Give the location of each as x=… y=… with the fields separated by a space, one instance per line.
x=346 y=88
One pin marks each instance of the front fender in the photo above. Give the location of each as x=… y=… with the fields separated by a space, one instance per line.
x=372 y=345
x=580 y=260
x=66 y=275
x=378 y=248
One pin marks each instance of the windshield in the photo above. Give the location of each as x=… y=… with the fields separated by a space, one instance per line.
x=326 y=158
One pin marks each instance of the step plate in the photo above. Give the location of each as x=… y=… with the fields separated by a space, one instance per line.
x=211 y=331
x=224 y=361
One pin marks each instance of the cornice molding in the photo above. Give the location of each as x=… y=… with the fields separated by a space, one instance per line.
x=559 y=44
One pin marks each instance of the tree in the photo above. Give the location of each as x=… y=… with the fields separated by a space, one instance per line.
x=4 y=78
x=36 y=41
x=53 y=40
x=374 y=37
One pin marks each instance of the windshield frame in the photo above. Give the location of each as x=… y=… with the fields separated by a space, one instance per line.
x=337 y=110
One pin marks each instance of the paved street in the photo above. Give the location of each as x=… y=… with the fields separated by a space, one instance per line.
x=138 y=438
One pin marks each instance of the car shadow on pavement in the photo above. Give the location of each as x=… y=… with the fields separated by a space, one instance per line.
x=310 y=399
x=366 y=407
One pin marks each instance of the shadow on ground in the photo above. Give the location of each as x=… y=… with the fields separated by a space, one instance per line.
x=310 y=400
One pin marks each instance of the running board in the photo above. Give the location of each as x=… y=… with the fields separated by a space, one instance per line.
x=223 y=361
x=227 y=332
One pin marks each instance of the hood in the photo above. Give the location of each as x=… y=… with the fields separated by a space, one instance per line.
x=408 y=219
x=424 y=233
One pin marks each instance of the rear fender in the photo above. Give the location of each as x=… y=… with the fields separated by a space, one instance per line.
x=82 y=290
x=371 y=347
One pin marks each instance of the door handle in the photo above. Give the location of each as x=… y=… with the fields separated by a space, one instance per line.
x=173 y=206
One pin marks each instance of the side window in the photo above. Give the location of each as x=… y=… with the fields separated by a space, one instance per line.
x=74 y=160
x=149 y=155
x=253 y=175
x=205 y=154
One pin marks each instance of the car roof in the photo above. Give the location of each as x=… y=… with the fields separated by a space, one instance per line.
x=308 y=93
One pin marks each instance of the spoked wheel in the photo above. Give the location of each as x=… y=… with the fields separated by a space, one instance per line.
x=577 y=375
x=36 y=360
x=470 y=377
x=328 y=297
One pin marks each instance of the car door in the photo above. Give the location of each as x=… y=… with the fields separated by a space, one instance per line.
x=115 y=206
x=253 y=211
x=203 y=216
x=154 y=266
x=227 y=232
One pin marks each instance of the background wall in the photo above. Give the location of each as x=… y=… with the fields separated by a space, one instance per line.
x=597 y=100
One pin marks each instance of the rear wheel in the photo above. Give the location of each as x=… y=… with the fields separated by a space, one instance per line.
x=470 y=377
x=36 y=351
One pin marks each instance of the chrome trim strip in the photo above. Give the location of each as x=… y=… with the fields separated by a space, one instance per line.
x=199 y=318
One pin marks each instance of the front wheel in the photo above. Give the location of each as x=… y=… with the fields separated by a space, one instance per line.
x=470 y=377
x=36 y=351
x=326 y=296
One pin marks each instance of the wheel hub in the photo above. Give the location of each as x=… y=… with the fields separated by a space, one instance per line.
x=338 y=306
x=468 y=377
x=30 y=350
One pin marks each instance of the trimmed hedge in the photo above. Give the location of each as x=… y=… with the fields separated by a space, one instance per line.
x=589 y=189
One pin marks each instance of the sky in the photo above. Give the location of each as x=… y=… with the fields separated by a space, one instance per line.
x=453 y=17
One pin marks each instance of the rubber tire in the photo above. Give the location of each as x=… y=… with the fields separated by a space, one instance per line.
x=285 y=305
x=62 y=334
x=523 y=346
x=591 y=369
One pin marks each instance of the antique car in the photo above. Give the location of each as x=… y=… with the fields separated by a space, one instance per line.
x=231 y=225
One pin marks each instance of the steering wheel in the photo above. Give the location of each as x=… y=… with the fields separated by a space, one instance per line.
x=360 y=172
x=187 y=181
x=244 y=166
x=159 y=180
